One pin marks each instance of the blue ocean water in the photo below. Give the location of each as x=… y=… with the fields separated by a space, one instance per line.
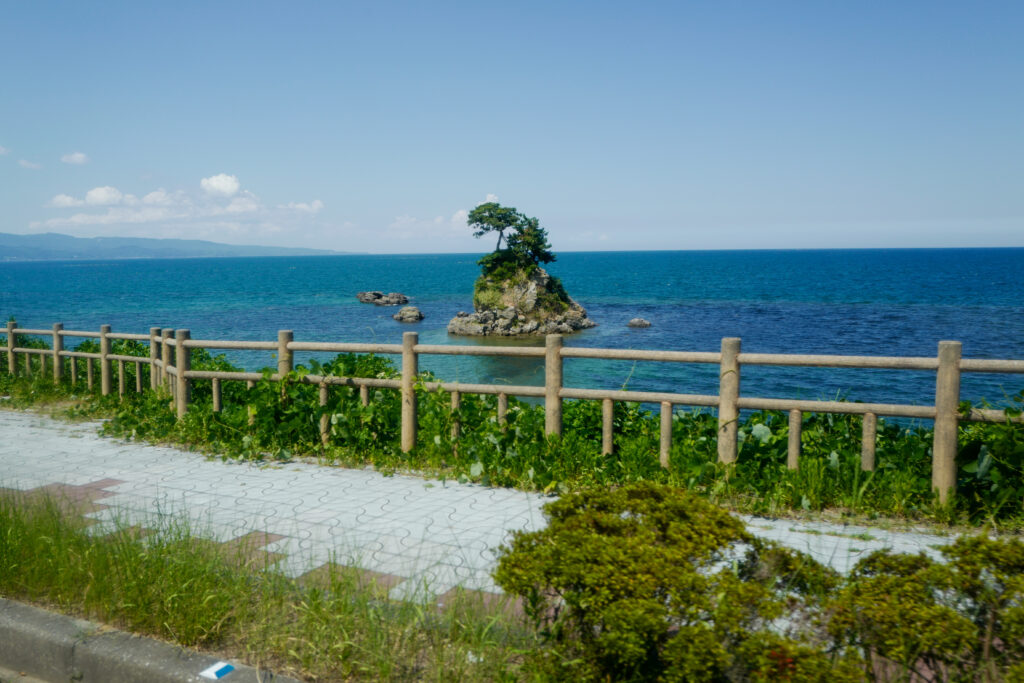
x=873 y=302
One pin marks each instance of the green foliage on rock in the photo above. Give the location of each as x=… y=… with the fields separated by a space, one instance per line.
x=526 y=244
x=493 y=217
x=514 y=295
x=488 y=290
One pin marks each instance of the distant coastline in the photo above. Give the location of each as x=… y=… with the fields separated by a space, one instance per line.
x=60 y=247
x=53 y=246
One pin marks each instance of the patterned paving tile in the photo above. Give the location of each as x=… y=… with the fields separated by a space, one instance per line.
x=410 y=537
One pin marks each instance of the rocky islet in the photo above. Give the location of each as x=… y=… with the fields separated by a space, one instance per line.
x=523 y=304
x=382 y=299
x=408 y=314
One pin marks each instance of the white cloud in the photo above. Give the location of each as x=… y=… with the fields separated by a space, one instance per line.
x=29 y=164
x=246 y=203
x=220 y=211
x=103 y=196
x=76 y=158
x=115 y=214
x=490 y=198
x=3 y=150
x=311 y=207
x=221 y=184
x=65 y=200
x=406 y=227
x=158 y=198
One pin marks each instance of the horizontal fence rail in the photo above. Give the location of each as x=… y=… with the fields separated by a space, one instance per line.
x=169 y=367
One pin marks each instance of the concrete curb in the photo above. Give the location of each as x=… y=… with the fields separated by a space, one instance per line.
x=56 y=648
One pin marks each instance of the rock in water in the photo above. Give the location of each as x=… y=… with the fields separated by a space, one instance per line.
x=382 y=299
x=528 y=302
x=638 y=322
x=408 y=314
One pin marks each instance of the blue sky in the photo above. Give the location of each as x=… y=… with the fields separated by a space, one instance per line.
x=376 y=126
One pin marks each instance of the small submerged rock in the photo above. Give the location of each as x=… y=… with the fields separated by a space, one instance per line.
x=408 y=314
x=638 y=322
x=382 y=299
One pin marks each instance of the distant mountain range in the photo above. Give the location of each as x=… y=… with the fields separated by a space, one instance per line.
x=52 y=246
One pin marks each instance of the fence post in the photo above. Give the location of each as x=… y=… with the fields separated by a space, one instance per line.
x=869 y=435
x=456 y=423
x=796 y=426
x=503 y=410
x=154 y=373
x=666 y=433
x=165 y=357
x=284 y=355
x=11 y=367
x=182 y=364
x=553 y=384
x=74 y=371
x=364 y=394
x=120 y=378
x=106 y=372
x=58 y=346
x=325 y=420
x=728 y=395
x=947 y=402
x=607 y=416
x=409 y=372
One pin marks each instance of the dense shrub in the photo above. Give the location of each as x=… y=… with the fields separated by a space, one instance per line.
x=962 y=619
x=991 y=462
x=646 y=582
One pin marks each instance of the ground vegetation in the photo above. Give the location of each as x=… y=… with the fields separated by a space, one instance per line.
x=281 y=421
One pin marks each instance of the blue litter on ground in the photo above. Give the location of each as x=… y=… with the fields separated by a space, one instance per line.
x=217 y=671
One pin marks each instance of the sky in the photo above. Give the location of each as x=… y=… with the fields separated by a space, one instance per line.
x=376 y=126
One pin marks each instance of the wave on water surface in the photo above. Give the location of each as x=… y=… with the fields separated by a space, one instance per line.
x=866 y=302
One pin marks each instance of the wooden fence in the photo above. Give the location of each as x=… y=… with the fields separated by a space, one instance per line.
x=170 y=366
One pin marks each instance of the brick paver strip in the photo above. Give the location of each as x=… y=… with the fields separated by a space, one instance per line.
x=427 y=537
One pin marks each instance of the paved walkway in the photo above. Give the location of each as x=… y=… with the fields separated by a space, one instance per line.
x=421 y=538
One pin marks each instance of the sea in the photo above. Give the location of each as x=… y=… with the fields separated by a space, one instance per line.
x=893 y=302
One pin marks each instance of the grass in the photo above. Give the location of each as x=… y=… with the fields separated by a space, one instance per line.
x=171 y=584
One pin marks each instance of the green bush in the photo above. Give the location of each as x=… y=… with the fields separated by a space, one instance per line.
x=991 y=462
x=964 y=617
x=646 y=582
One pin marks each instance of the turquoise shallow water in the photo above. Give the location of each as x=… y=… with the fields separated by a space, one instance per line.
x=875 y=302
